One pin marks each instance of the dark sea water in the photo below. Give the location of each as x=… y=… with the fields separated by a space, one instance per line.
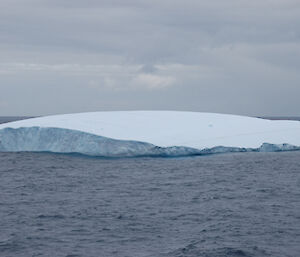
x=245 y=204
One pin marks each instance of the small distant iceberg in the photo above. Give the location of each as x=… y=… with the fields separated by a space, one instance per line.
x=149 y=133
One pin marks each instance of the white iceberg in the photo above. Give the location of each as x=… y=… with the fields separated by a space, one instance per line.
x=148 y=133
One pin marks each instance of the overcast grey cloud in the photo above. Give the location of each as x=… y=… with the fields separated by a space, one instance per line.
x=234 y=56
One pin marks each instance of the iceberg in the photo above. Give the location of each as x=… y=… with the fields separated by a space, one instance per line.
x=149 y=133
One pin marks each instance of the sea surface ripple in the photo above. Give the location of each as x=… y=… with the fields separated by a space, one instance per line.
x=243 y=204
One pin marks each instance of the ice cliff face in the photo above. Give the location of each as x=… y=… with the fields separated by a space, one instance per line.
x=61 y=140
x=67 y=141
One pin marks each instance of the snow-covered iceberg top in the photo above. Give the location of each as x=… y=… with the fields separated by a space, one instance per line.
x=163 y=130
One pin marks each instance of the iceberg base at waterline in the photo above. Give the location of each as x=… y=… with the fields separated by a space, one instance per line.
x=148 y=133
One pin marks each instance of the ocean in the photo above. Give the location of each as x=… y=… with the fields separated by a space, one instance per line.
x=242 y=204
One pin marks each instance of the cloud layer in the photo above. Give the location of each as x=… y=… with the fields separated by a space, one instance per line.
x=230 y=56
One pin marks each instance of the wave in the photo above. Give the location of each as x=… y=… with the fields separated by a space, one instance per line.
x=59 y=140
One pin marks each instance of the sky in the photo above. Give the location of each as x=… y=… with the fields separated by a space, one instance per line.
x=235 y=56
